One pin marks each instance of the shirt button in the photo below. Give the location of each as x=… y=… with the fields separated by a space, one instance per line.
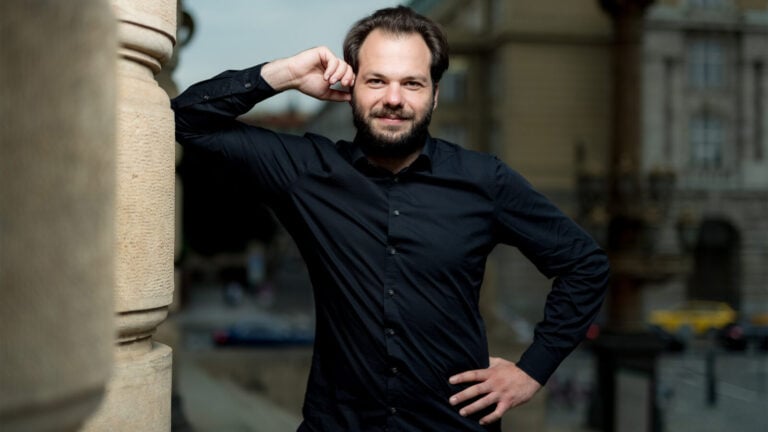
x=391 y=293
x=247 y=85
x=396 y=179
x=391 y=250
x=394 y=371
x=393 y=410
x=206 y=97
x=396 y=212
x=389 y=332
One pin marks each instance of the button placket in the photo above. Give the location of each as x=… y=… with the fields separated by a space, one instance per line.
x=393 y=327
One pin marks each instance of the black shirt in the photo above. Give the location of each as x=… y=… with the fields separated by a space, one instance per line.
x=397 y=260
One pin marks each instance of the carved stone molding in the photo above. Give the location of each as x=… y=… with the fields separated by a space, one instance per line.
x=139 y=393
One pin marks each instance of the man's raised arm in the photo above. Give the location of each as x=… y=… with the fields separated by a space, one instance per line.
x=212 y=105
x=311 y=72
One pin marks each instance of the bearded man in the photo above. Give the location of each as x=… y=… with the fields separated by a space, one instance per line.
x=395 y=228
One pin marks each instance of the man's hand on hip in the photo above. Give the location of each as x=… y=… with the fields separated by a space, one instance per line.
x=311 y=72
x=502 y=383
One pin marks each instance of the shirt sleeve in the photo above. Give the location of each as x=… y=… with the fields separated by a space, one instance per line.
x=560 y=250
x=206 y=120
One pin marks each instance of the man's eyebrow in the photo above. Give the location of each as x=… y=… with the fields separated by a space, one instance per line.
x=423 y=78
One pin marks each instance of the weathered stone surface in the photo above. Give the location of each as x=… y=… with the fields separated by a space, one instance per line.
x=139 y=393
x=57 y=193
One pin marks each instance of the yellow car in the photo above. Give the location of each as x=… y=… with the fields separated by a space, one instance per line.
x=697 y=317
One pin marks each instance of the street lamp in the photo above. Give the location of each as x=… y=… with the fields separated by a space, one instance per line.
x=630 y=234
x=625 y=209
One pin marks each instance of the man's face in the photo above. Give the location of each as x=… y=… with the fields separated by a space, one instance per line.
x=393 y=98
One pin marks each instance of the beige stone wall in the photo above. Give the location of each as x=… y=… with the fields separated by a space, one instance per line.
x=57 y=194
x=539 y=84
x=555 y=97
x=577 y=18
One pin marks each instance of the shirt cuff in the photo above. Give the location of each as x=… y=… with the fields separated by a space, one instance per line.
x=246 y=85
x=539 y=362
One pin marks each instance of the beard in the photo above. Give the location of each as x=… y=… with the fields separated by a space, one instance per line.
x=390 y=144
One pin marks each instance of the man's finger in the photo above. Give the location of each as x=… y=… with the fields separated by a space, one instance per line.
x=494 y=416
x=348 y=80
x=332 y=63
x=469 y=376
x=334 y=95
x=479 y=404
x=338 y=72
x=469 y=393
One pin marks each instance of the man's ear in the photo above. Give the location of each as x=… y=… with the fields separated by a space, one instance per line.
x=437 y=93
x=352 y=92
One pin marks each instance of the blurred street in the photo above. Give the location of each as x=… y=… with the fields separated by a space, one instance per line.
x=260 y=389
x=741 y=392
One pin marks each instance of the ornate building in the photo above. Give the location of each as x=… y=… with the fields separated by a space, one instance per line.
x=705 y=119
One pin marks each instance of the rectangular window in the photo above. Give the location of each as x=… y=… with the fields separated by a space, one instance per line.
x=706 y=62
x=707 y=3
x=453 y=84
x=759 y=108
x=497 y=14
x=707 y=140
x=669 y=111
x=496 y=78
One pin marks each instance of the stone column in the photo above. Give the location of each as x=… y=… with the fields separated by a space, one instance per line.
x=57 y=226
x=139 y=394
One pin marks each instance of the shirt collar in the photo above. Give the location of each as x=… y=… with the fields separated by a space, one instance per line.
x=423 y=162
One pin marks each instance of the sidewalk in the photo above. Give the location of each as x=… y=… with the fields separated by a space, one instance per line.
x=213 y=405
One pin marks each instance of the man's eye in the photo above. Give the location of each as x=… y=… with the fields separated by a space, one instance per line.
x=375 y=82
x=413 y=84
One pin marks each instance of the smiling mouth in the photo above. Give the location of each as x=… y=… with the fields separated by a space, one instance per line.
x=392 y=118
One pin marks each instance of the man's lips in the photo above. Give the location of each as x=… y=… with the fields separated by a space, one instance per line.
x=392 y=119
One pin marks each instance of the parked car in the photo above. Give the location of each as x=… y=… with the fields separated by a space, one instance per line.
x=264 y=334
x=691 y=319
x=753 y=332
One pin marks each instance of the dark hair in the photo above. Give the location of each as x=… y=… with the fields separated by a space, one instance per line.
x=397 y=21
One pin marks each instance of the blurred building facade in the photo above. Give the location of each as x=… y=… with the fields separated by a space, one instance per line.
x=531 y=81
x=705 y=119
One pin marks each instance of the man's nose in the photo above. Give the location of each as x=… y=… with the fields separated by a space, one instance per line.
x=393 y=97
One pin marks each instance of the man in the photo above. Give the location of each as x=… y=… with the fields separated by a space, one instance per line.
x=395 y=228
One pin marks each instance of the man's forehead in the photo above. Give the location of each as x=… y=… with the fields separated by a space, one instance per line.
x=387 y=49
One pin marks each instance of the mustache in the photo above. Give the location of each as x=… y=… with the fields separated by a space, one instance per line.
x=389 y=112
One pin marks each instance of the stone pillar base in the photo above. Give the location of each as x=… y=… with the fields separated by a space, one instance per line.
x=141 y=388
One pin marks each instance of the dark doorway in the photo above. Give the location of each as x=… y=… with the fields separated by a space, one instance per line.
x=717 y=265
